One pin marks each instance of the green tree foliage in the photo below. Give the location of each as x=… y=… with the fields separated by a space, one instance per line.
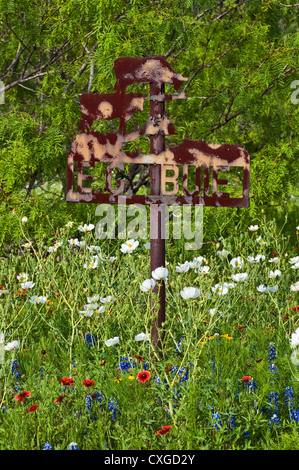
x=241 y=58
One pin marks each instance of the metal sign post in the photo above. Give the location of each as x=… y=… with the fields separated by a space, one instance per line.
x=91 y=147
x=157 y=244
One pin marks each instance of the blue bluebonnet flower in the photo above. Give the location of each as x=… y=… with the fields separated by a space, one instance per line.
x=272 y=352
x=47 y=446
x=294 y=415
x=15 y=369
x=183 y=373
x=90 y=339
x=112 y=406
x=179 y=345
x=251 y=385
x=273 y=404
x=216 y=420
x=127 y=363
x=273 y=370
x=274 y=420
x=289 y=394
x=231 y=421
x=72 y=446
x=91 y=403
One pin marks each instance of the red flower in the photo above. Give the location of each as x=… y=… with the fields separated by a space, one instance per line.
x=143 y=376
x=67 y=381
x=32 y=408
x=295 y=308
x=22 y=395
x=246 y=378
x=139 y=358
x=60 y=398
x=164 y=430
x=88 y=382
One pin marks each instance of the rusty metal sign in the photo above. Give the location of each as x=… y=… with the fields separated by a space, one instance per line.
x=90 y=147
x=206 y=160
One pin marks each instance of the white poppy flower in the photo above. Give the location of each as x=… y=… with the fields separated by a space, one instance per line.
x=86 y=313
x=22 y=277
x=35 y=299
x=273 y=260
x=27 y=245
x=24 y=219
x=147 y=245
x=294 y=260
x=86 y=228
x=203 y=269
x=129 y=246
x=236 y=262
x=295 y=357
x=273 y=274
x=295 y=266
x=106 y=300
x=229 y=285
x=12 y=345
x=27 y=285
x=239 y=277
x=92 y=264
x=101 y=309
x=147 y=285
x=256 y=259
x=295 y=287
x=223 y=252
x=57 y=244
x=220 y=289
x=261 y=241
x=142 y=337
x=253 y=228
x=69 y=224
x=94 y=248
x=160 y=273
x=199 y=259
x=262 y=288
x=182 y=268
x=272 y=289
x=74 y=241
x=295 y=339
x=190 y=293
x=95 y=298
x=112 y=341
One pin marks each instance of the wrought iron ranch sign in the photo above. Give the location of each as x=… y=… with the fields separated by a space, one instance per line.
x=208 y=160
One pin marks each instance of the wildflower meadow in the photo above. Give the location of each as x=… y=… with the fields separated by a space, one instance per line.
x=79 y=371
x=184 y=104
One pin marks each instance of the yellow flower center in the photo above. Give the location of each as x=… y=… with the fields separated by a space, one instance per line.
x=129 y=245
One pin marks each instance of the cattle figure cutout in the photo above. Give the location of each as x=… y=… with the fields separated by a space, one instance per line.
x=91 y=147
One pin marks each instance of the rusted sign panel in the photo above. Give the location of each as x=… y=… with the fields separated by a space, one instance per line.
x=91 y=147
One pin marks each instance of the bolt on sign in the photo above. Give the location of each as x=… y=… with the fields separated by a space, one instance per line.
x=205 y=161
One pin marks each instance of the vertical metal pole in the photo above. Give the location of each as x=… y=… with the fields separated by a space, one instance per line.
x=157 y=145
